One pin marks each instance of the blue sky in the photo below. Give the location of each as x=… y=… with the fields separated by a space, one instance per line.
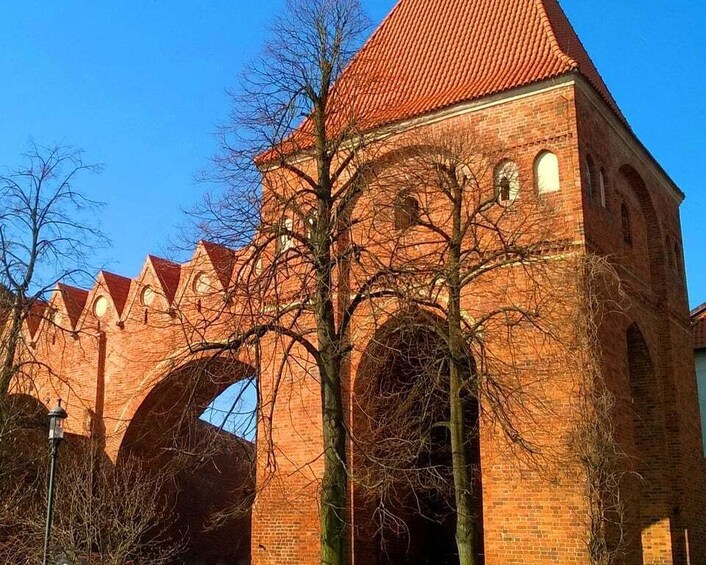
x=140 y=85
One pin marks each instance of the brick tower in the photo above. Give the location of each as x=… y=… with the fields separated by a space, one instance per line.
x=513 y=70
x=516 y=70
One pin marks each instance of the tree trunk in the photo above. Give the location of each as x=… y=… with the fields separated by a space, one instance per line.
x=9 y=362
x=458 y=369
x=335 y=480
x=334 y=485
x=463 y=488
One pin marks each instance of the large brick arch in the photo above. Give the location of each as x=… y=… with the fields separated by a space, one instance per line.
x=418 y=526
x=180 y=396
x=647 y=504
x=208 y=471
x=655 y=241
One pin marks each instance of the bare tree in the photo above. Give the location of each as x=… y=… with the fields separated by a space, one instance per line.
x=593 y=444
x=290 y=156
x=47 y=232
x=105 y=514
x=483 y=257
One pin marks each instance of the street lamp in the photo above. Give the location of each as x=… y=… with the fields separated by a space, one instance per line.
x=56 y=434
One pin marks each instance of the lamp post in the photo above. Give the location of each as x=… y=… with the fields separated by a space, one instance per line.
x=56 y=434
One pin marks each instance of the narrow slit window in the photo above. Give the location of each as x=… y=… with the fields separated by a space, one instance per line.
x=507 y=182
x=601 y=188
x=591 y=178
x=625 y=222
x=406 y=212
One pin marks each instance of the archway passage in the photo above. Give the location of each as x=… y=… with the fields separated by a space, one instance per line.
x=403 y=498
x=649 y=508
x=209 y=466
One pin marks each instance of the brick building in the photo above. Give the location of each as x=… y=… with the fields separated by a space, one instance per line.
x=698 y=320
x=514 y=70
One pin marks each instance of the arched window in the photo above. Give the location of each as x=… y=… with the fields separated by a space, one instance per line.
x=406 y=212
x=546 y=172
x=601 y=187
x=625 y=223
x=284 y=239
x=677 y=258
x=591 y=178
x=507 y=181
x=310 y=225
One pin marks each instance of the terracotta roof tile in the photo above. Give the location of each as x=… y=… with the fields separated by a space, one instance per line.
x=118 y=288
x=430 y=54
x=74 y=301
x=168 y=274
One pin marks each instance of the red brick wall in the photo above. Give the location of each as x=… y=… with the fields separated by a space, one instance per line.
x=653 y=276
x=531 y=514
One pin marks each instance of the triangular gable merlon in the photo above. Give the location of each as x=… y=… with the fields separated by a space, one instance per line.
x=36 y=315
x=243 y=263
x=168 y=274
x=118 y=288
x=221 y=258
x=73 y=300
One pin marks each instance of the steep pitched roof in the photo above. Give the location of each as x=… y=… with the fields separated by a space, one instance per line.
x=36 y=315
x=222 y=258
x=431 y=54
x=427 y=55
x=698 y=326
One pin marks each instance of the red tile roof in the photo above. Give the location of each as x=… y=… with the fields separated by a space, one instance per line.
x=427 y=55
x=118 y=288
x=698 y=325
x=168 y=274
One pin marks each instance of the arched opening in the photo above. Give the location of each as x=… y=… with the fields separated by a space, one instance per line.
x=650 y=240
x=196 y=427
x=285 y=240
x=625 y=224
x=546 y=172
x=507 y=181
x=646 y=504
x=402 y=473
x=406 y=212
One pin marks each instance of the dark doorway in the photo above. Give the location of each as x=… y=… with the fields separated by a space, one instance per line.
x=403 y=502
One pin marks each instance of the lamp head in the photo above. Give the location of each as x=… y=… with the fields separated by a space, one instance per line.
x=56 y=422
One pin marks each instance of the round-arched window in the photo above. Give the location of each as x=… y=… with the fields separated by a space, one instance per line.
x=202 y=283
x=406 y=212
x=147 y=296
x=546 y=172
x=100 y=306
